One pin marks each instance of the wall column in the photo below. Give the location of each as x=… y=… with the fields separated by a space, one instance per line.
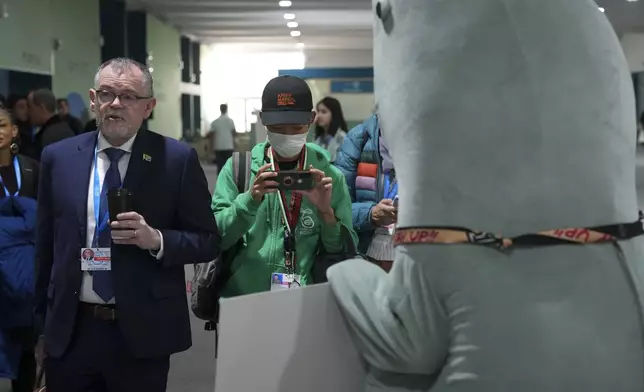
x=113 y=29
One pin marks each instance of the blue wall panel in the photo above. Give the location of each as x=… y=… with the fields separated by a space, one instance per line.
x=329 y=73
x=352 y=86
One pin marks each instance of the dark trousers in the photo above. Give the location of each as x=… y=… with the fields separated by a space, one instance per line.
x=221 y=157
x=98 y=361
x=26 y=378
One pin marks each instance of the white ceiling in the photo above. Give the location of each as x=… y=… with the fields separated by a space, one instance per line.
x=626 y=16
x=324 y=24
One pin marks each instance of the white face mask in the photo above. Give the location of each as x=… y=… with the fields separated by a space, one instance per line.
x=286 y=145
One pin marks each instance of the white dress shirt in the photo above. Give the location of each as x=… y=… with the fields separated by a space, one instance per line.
x=87 y=293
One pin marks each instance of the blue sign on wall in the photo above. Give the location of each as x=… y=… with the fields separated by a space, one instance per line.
x=352 y=86
x=329 y=73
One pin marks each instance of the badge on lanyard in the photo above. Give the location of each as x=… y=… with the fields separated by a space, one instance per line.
x=290 y=215
x=280 y=281
x=96 y=259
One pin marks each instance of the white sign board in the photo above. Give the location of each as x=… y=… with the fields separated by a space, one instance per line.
x=286 y=341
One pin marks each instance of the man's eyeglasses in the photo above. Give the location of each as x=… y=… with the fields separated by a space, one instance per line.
x=105 y=96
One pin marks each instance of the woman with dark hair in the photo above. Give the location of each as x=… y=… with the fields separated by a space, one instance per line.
x=18 y=173
x=17 y=105
x=18 y=191
x=330 y=127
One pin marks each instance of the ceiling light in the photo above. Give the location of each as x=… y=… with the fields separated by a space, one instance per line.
x=299 y=45
x=285 y=3
x=289 y=16
x=631 y=1
x=292 y=25
x=295 y=33
x=602 y=9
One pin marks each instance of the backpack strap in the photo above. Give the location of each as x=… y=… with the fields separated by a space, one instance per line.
x=247 y=172
x=235 y=158
x=241 y=174
x=241 y=170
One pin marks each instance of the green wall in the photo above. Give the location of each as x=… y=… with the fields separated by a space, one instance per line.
x=164 y=47
x=28 y=33
x=76 y=23
x=26 y=36
x=26 y=44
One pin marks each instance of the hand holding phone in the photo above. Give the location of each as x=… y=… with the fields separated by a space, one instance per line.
x=264 y=183
x=384 y=213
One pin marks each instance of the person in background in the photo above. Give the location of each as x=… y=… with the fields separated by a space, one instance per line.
x=42 y=113
x=266 y=231
x=17 y=105
x=19 y=175
x=3 y=101
x=26 y=183
x=113 y=329
x=222 y=137
x=365 y=162
x=63 y=111
x=330 y=126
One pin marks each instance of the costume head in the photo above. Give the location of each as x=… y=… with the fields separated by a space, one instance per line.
x=508 y=116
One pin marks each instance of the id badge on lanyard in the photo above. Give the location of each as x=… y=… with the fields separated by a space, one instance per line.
x=97 y=258
x=16 y=169
x=290 y=213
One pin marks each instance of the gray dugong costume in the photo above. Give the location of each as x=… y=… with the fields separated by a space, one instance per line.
x=509 y=116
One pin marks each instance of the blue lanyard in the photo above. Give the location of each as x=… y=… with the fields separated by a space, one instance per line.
x=16 y=168
x=100 y=224
x=391 y=187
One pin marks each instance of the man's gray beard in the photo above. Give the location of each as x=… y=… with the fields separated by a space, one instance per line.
x=99 y=125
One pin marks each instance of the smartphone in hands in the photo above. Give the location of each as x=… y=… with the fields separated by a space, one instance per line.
x=294 y=180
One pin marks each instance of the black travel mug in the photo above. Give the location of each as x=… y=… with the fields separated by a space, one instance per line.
x=119 y=200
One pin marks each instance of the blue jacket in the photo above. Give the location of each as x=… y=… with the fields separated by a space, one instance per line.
x=17 y=265
x=361 y=150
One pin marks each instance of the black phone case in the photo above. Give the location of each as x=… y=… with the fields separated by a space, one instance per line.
x=294 y=180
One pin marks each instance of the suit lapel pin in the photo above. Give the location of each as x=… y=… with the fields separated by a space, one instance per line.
x=147 y=158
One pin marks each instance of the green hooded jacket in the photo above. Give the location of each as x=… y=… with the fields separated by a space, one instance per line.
x=259 y=225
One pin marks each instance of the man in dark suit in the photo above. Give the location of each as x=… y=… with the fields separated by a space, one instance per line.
x=63 y=111
x=42 y=113
x=114 y=329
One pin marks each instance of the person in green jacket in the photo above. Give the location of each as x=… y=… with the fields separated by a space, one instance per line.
x=281 y=233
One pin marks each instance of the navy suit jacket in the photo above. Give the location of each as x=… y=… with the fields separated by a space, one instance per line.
x=171 y=192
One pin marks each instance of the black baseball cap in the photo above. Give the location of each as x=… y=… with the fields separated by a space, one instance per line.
x=287 y=100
